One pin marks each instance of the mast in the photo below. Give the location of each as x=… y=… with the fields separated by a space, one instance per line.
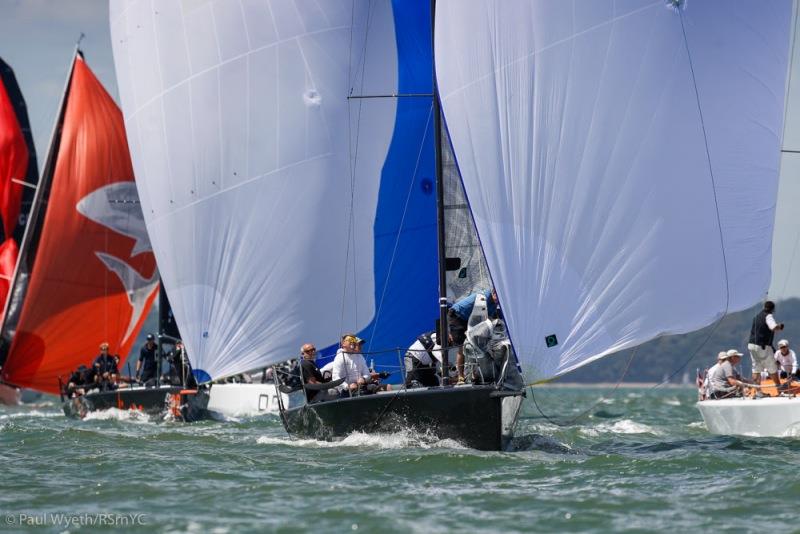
x=437 y=132
x=33 y=226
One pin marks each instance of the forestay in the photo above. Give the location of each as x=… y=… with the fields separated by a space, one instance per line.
x=620 y=160
x=280 y=210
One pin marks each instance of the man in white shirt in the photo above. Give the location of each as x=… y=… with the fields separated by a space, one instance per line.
x=349 y=364
x=787 y=360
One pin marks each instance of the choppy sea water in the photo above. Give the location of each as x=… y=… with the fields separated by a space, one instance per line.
x=641 y=460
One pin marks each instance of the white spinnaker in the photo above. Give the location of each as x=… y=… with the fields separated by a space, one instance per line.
x=243 y=149
x=581 y=128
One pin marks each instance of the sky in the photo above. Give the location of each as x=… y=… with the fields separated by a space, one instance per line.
x=37 y=38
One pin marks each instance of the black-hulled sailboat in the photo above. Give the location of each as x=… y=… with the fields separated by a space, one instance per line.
x=287 y=162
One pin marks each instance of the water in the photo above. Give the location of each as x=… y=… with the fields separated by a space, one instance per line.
x=641 y=460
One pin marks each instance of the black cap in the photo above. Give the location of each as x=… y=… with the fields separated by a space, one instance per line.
x=151 y=337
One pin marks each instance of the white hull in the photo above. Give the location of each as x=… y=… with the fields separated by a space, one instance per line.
x=244 y=400
x=765 y=417
x=9 y=395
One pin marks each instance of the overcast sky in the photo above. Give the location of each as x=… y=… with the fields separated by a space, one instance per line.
x=37 y=38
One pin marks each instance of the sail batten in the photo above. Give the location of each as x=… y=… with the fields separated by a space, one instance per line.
x=614 y=158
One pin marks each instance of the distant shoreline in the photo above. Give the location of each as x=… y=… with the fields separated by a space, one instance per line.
x=609 y=385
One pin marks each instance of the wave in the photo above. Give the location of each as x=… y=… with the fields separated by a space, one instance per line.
x=32 y=413
x=115 y=414
x=624 y=426
x=397 y=440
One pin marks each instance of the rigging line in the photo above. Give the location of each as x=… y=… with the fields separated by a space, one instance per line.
x=716 y=208
x=710 y=168
x=572 y=420
x=402 y=222
x=788 y=151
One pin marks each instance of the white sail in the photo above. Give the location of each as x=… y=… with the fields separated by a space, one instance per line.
x=252 y=169
x=620 y=159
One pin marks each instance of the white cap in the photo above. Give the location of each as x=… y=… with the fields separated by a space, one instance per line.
x=733 y=352
x=783 y=343
x=723 y=355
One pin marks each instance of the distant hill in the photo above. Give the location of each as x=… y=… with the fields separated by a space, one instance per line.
x=665 y=357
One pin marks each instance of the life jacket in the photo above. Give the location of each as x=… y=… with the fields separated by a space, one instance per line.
x=428 y=343
x=760 y=334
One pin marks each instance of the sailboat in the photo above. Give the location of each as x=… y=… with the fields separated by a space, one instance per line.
x=86 y=274
x=618 y=161
x=17 y=170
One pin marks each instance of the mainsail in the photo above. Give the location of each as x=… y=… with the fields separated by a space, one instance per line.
x=287 y=188
x=17 y=166
x=620 y=159
x=88 y=274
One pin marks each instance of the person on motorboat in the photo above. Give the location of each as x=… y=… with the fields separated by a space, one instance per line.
x=420 y=361
x=105 y=369
x=311 y=374
x=457 y=319
x=349 y=364
x=146 y=364
x=723 y=381
x=787 y=360
x=760 y=347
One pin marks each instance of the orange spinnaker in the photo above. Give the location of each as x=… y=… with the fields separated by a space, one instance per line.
x=76 y=299
x=13 y=163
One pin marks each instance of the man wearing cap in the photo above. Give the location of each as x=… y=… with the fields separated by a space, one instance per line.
x=786 y=359
x=722 y=379
x=760 y=347
x=349 y=364
x=146 y=365
x=312 y=375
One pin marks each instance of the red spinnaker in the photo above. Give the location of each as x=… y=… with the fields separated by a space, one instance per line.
x=13 y=162
x=94 y=277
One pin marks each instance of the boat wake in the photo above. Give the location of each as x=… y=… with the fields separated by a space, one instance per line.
x=32 y=413
x=115 y=414
x=624 y=426
x=397 y=440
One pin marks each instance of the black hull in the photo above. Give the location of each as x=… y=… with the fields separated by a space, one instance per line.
x=471 y=415
x=185 y=405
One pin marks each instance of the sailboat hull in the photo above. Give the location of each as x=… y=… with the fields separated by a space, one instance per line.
x=182 y=404
x=471 y=415
x=744 y=416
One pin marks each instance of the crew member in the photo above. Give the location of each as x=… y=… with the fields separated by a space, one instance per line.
x=311 y=374
x=146 y=365
x=787 y=360
x=723 y=382
x=457 y=318
x=349 y=364
x=420 y=361
x=760 y=347
x=105 y=369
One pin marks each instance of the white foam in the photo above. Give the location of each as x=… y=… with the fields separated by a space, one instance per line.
x=624 y=426
x=32 y=413
x=672 y=402
x=697 y=424
x=397 y=440
x=115 y=414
